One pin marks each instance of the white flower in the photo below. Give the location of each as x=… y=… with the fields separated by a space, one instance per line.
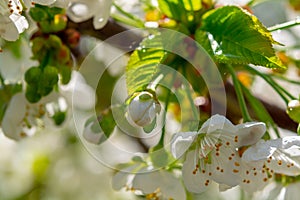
x=12 y=23
x=214 y=155
x=21 y=118
x=29 y=3
x=154 y=184
x=81 y=10
x=143 y=109
x=78 y=93
x=265 y=158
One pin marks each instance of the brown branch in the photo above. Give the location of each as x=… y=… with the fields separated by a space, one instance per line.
x=127 y=42
x=278 y=114
x=130 y=41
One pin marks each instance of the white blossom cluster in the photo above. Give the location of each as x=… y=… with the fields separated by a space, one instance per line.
x=13 y=21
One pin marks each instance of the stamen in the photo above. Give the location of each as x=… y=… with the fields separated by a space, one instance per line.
x=236 y=138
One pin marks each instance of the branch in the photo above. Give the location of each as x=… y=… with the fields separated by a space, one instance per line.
x=132 y=40
x=128 y=42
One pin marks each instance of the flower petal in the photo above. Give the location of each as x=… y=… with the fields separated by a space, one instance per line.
x=13 y=117
x=8 y=30
x=249 y=133
x=181 y=142
x=253 y=178
x=260 y=151
x=194 y=182
x=292 y=191
x=101 y=17
x=217 y=122
x=225 y=164
x=161 y=181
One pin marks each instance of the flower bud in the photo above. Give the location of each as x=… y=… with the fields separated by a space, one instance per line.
x=293 y=110
x=143 y=109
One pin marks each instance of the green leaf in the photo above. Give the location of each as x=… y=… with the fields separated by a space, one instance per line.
x=239 y=38
x=143 y=63
x=202 y=38
x=178 y=9
x=192 y=5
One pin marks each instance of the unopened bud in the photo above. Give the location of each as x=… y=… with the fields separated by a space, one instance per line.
x=143 y=109
x=293 y=110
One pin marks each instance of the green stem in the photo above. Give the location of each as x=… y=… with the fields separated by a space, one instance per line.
x=132 y=20
x=239 y=94
x=272 y=83
x=1 y=80
x=190 y=98
x=285 y=79
x=161 y=141
x=285 y=25
x=45 y=60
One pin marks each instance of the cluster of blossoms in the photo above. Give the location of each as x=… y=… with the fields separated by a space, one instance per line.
x=23 y=119
x=13 y=22
x=234 y=155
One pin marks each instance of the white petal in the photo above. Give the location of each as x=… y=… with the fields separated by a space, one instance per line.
x=249 y=133
x=78 y=93
x=181 y=142
x=223 y=187
x=197 y=182
x=123 y=178
x=260 y=151
x=8 y=30
x=281 y=163
x=44 y=2
x=292 y=191
x=101 y=17
x=217 y=122
x=81 y=10
x=20 y=22
x=225 y=170
x=13 y=117
x=253 y=178
x=169 y=186
x=91 y=136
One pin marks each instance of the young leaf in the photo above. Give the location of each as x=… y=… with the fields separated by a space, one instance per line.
x=240 y=38
x=180 y=10
x=143 y=63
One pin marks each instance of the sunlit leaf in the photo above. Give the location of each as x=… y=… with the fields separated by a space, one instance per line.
x=143 y=64
x=238 y=37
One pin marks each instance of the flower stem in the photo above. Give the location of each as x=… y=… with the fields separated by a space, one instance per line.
x=161 y=141
x=285 y=25
x=131 y=19
x=280 y=90
x=239 y=94
x=285 y=79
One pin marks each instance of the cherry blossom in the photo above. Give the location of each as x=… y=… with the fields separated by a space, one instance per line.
x=81 y=10
x=12 y=23
x=143 y=109
x=140 y=179
x=213 y=154
x=267 y=158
